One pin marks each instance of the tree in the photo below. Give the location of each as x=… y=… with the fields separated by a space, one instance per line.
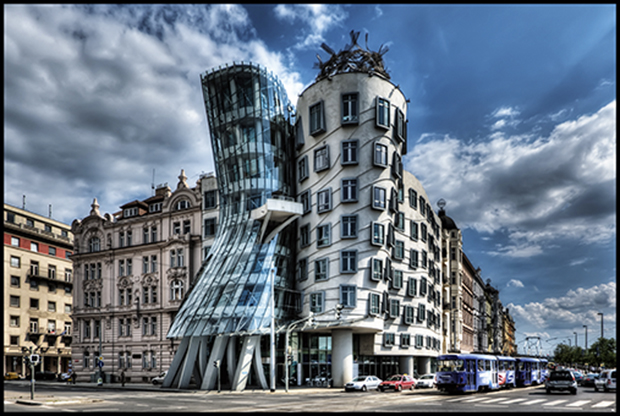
x=602 y=353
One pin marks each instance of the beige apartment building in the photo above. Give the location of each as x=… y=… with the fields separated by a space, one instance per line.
x=38 y=291
x=133 y=270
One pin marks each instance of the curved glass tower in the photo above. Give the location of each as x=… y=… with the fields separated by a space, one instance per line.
x=249 y=121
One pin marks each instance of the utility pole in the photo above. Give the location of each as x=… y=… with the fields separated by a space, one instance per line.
x=602 y=333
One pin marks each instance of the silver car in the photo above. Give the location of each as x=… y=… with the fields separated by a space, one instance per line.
x=363 y=383
x=561 y=380
x=426 y=381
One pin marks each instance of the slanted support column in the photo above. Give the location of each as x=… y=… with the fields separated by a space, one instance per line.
x=177 y=361
x=231 y=356
x=189 y=363
x=249 y=349
x=342 y=356
x=217 y=352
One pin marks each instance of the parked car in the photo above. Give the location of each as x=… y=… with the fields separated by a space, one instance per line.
x=427 y=381
x=159 y=379
x=11 y=376
x=561 y=380
x=606 y=380
x=398 y=382
x=578 y=376
x=363 y=383
x=588 y=380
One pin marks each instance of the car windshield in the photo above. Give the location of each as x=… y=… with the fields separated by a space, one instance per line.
x=564 y=375
x=426 y=377
x=359 y=379
x=394 y=378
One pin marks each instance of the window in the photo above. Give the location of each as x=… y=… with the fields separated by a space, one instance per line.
x=413 y=199
x=414 y=230
x=397 y=281
x=423 y=286
x=349 y=108
x=401 y=126
x=422 y=206
x=382 y=117
x=405 y=340
x=394 y=308
x=210 y=199
x=388 y=339
x=15 y=281
x=323 y=235
x=349 y=190
x=376 y=269
x=348 y=226
x=145 y=235
x=412 y=288
x=14 y=301
x=15 y=261
x=129 y=267
x=94 y=245
x=302 y=168
x=155 y=207
x=380 y=156
x=348 y=296
x=321 y=269
x=153 y=234
x=378 y=234
x=34 y=268
x=378 y=198
x=34 y=246
x=374 y=304
x=176 y=227
x=187 y=226
x=397 y=166
x=121 y=239
x=210 y=227
x=15 y=241
x=306 y=201
x=421 y=312
x=316 y=302
x=349 y=152
x=130 y=212
x=14 y=321
x=390 y=235
x=324 y=200
x=413 y=258
x=145 y=264
x=424 y=232
x=176 y=290
x=304 y=235
x=321 y=159
x=424 y=258
x=34 y=325
x=182 y=204
x=34 y=303
x=348 y=261
x=51 y=306
x=177 y=258
x=29 y=222
x=399 y=221
x=317 y=119
x=408 y=314
x=302 y=269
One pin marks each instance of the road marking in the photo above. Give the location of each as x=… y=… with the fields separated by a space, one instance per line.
x=533 y=402
x=579 y=403
x=477 y=399
x=604 y=404
x=494 y=400
x=458 y=400
x=514 y=401
x=554 y=403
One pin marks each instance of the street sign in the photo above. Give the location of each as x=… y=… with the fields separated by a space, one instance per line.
x=101 y=358
x=100 y=364
x=34 y=359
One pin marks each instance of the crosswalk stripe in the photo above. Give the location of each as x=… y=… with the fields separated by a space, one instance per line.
x=477 y=399
x=579 y=403
x=554 y=403
x=457 y=400
x=514 y=401
x=494 y=400
x=533 y=402
x=604 y=403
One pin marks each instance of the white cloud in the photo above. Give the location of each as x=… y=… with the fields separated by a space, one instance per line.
x=506 y=112
x=515 y=283
x=319 y=18
x=535 y=189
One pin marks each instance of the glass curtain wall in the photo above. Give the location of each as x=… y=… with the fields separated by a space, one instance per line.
x=250 y=123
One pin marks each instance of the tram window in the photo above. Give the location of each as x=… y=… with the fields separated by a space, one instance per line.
x=487 y=365
x=480 y=365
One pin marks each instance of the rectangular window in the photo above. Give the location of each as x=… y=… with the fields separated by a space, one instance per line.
x=374 y=304
x=316 y=302
x=378 y=200
x=390 y=235
x=153 y=234
x=321 y=269
x=129 y=267
x=349 y=108
x=414 y=230
x=187 y=226
x=405 y=340
x=210 y=227
x=15 y=241
x=51 y=306
x=15 y=261
x=413 y=199
x=324 y=200
x=348 y=296
x=412 y=288
x=388 y=339
x=176 y=228
x=409 y=314
x=349 y=190
x=378 y=234
x=423 y=286
x=302 y=269
x=422 y=206
x=34 y=325
x=424 y=259
x=413 y=258
x=348 y=226
x=14 y=301
x=317 y=119
x=397 y=281
x=349 y=152
x=399 y=221
x=210 y=199
x=401 y=126
x=304 y=235
x=302 y=168
x=348 y=261
x=51 y=272
x=15 y=281
x=153 y=263
x=380 y=155
x=421 y=312
x=306 y=201
x=145 y=264
x=34 y=268
x=376 y=269
x=323 y=235
x=321 y=159
x=382 y=117
x=397 y=165
x=424 y=232
x=34 y=246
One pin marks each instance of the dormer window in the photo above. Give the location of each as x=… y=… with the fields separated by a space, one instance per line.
x=156 y=207
x=130 y=212
x=182 y=204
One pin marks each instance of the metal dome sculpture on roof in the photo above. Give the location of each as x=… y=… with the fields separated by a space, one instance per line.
x=352 y=59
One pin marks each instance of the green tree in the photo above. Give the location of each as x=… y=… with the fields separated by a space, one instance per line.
x=602 y=353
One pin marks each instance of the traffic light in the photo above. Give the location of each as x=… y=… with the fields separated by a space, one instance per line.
x=339 y=308
x=216 y=363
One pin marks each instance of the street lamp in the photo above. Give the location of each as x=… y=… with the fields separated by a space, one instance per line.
x=602 y=333
x=575 y=338
x=586 y=327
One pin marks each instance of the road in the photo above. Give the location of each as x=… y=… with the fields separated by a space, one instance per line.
x=61 y=398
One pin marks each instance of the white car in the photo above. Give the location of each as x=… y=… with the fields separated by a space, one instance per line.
x=606 y=380
x=426 y=381
x=159 y=379
x=363 y=383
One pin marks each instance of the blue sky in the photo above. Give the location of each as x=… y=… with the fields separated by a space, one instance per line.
x=512 y=120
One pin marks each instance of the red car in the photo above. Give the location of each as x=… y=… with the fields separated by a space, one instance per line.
x=398 y=383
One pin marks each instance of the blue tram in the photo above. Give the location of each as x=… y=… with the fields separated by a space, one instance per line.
x=528 y=371
x=544 y=370
x=506 y=371
x=467 y=372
